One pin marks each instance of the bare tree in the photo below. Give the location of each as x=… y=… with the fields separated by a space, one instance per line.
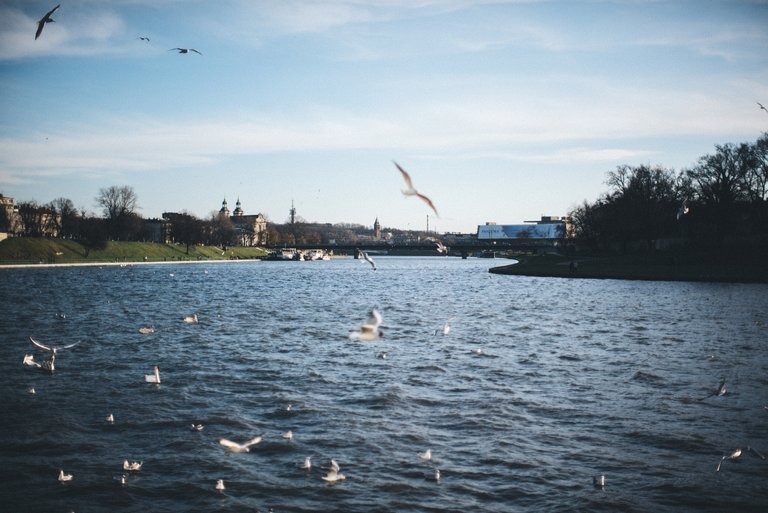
x=119 y=204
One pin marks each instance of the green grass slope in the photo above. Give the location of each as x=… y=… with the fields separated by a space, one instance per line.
x=34 y=250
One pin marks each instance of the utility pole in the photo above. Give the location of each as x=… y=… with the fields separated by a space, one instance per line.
x=427 y=223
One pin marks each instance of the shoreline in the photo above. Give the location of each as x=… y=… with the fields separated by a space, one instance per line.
x=629 y=268
x=125 y=264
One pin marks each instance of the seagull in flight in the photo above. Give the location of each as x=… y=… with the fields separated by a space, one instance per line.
x=186 y=50
x=368 y=259
x=45 y=19
x=49 y=365
x=52 y=349
x=760 y=104
x=738 y=453
x=236 y=447
x=684 y=209
x=370 y=329
x=334 y=474
x=144 y=38
x=411 y=191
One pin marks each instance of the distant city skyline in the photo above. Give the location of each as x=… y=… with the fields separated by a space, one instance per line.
x=501 y=111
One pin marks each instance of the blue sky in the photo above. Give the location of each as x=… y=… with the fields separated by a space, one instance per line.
x=501 y=110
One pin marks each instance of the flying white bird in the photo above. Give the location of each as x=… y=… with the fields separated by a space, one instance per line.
x=738 y=453
x=426 y=455
x=368 y=259
x=220 y=485
x=45 y=19
x=760 y=104
x=370 y=329
x=65 y=477
x=51 y=349
x=441 y=248
x=49 y=365
x=186 y=50
x=334 y=474
x=683 y=210
x=133 y=467
x=236 y=447
x=411 y=191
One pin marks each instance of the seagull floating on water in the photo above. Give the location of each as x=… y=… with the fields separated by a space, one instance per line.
x=722 y=389
x=146 y=330
x=133 y=467
x=110 y=419
x=153 y=378
x=382 y=355
x=411 y=191
x=186 y=50
x=32 y=390
x=307 y=465
x=598 y=481
x=288 y=435
x=191 y=319
x=45 y=19
x=370 y=329
x=220 y=485
x=437 y=475
x=236 y=447
x=65 y=477
x=426 y=455
x=197 y=427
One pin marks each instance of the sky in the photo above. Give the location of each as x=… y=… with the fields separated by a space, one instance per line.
x=501 y=111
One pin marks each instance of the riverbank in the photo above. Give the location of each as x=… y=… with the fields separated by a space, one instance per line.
x=657 y=267
x=30 y=252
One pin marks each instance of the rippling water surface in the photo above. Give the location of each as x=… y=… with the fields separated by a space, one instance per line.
x=575 y=378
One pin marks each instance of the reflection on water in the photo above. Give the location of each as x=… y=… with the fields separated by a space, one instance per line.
x=540 y=385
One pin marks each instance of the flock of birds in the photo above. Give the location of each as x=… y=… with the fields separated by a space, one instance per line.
x=369 y=331
x=48 y=18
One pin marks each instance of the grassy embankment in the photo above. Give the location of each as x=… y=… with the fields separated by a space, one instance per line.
x=662 y=267
x=27 y=250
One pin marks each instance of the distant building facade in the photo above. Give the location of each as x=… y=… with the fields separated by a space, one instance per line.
x=250 y=230
x=549 y=227
x=40 y=221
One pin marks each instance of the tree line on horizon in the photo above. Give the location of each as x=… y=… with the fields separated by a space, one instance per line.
x=721 y=200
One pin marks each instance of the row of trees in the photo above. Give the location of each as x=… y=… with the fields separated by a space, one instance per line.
x=722 y=199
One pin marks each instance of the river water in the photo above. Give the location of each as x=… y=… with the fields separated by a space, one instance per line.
x=540 y=385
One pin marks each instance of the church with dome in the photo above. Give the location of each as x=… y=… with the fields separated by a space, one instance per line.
x=250 y=230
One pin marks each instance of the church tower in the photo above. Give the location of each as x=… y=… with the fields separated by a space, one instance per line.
x=224 y=212
x=376 y=230
x=238 y=210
